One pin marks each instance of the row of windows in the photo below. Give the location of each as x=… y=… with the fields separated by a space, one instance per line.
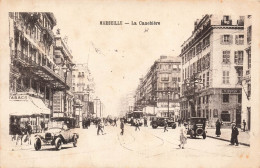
x=238 y=57
x=228 y=39
x=201 y=65
x=168 y=67
x=196 y=50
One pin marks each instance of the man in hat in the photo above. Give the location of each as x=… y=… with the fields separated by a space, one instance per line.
x=234 y=135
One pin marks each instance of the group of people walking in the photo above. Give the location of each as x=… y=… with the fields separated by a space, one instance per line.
x=21 y=133
x=234 y=132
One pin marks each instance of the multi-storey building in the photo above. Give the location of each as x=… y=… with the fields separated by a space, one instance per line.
x=160 y=88
x=83 y=87
x=212 y=69
x=246 y=83
x=63 y=99
x=33 y=77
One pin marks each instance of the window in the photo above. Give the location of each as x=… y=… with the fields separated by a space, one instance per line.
x=249 y=34
x=225 y=77
x=226 y=39
x=239 y=75
x=225 y=116
x=249 y=58
x=82 y=74
x=225 y=98
x=238 y=57
x=240 y=39
x=239 y=98
x=248 y=90
x=226 y=57
x=179 y=79
x=207 y=85
x=165 y=77
x=203 y=79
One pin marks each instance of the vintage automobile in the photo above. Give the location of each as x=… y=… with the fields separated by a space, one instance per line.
x=159 y=122
x=196 y=127
x=60 y=131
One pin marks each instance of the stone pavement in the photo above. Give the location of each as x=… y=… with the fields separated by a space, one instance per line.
x=243 y=137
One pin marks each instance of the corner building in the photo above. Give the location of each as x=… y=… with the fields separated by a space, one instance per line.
x=212 y=69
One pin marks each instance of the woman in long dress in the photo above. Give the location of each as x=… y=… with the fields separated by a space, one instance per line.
x=218 y=126
x=183 y=137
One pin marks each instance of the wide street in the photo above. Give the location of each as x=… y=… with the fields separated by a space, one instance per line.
x=145 y=148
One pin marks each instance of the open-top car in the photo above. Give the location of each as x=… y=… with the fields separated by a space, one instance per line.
x=196 y=127
x=60 y=131
x=159 y=122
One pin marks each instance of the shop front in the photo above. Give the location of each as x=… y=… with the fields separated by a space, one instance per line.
x=25 y=108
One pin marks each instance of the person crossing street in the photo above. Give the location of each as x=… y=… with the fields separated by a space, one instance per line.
x=122 y=127
x=165 y=125
x=137 y=125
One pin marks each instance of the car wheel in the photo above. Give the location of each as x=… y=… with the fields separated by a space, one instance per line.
x=154 y=126
x=37 y=144
x=75 y=141
x=58 y=143
x=174 y=126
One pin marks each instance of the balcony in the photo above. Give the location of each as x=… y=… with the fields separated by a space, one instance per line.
x=43 y=71
x=226 y=22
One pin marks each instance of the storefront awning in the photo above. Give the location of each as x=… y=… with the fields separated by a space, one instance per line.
x=27 y=107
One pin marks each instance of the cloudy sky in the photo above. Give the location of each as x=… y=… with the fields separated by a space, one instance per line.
x=119 y=55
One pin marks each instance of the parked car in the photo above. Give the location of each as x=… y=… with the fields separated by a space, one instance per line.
x=60 y=131
x=196 y=127
x=159 y=122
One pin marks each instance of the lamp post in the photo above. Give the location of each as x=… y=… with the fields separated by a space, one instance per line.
x=65 y=68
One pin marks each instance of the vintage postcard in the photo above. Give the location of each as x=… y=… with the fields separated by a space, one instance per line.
x=129 y=83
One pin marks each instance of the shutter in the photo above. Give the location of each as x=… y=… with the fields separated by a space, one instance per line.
x=237 y=39
x=222 y=39
x=230 y=39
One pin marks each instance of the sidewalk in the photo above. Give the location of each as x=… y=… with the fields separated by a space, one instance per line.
x=243 y=137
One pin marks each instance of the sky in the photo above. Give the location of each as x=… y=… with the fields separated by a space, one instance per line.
x=119 y=55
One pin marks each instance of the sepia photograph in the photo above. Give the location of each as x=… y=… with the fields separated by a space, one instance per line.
x=129 y=84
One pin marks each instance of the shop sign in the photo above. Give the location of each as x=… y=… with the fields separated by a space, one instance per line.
x=18 y=97
x=231 y=91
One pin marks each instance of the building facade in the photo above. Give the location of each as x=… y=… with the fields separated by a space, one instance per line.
x=212 y=69
x=63 y=99
x=83 y=88
x=33 y=78
x=246 y=83
x=158 y=92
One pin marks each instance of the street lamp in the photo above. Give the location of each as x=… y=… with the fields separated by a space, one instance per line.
x=65 y=70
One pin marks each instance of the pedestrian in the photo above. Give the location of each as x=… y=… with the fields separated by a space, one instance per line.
x=115 y=122
x=98 y=126
x=183 y=136
x=137 y=125
x=165 y=125
x=179 y=122
x=234 y=134
x=42 y=126
x=102 y=127
x=28 y=132
x=145 y=122
x=218 y=126
x=122 y=127
x=244 y=125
